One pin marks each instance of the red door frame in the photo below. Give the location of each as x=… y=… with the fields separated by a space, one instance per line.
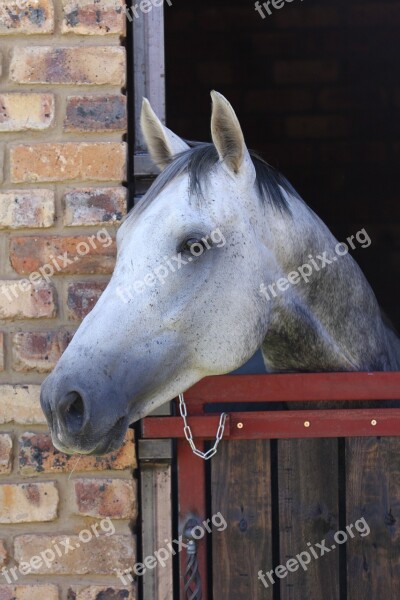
x=319 y=423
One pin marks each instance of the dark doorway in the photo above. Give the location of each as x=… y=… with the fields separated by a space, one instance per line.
x=316 y=87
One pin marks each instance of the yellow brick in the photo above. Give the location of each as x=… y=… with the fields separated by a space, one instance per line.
x=28 y=592
x=98 y=555
x=1 y=351
x=21 y=403
x=1 y=161
x=95 y=592
x=3 y=555
x=38 y=350
x=28 y=502
x=89 y=65
x=26 y=16
x=6 y=445
x=37 y=456
x=20 y=299
x=102 y=161
x=26 y=208
x=20 y=112
x=88 y=18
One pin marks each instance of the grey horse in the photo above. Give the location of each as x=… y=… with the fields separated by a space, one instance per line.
x=222 y=257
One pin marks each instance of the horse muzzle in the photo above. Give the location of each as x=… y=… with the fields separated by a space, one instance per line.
x=77 y=424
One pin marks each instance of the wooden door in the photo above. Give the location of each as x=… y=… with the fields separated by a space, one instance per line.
x=287 y=497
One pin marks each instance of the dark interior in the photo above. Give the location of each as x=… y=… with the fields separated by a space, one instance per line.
x=316 y=88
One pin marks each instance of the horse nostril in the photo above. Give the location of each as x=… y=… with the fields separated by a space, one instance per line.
x=74 y=415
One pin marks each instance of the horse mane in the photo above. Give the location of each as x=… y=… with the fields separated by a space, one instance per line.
x=198 y=161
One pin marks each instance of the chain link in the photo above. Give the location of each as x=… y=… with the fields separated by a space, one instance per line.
x=189 y=436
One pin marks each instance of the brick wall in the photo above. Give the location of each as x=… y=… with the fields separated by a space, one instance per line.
x=316 y=87
x=62 y=164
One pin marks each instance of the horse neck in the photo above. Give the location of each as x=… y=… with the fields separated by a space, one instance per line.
x=330 y=322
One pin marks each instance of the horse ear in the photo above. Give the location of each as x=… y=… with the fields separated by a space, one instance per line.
x=162 y=143
x=226 y=133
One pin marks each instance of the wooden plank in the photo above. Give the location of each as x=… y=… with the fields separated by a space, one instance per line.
x=149 y=67
x=308 y=513
x=373 y=493
x=296 y=387
x=241 y=491
x=155 y=458
x=192 y=503
x=144 y=166
x=282 y=424
x=155 y=451
x=156 y=528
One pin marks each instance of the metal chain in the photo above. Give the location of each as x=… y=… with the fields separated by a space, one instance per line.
x=189 y=436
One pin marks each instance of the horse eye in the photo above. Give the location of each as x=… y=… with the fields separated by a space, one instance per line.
x=194 y=246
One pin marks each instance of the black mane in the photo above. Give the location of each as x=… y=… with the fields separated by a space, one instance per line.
x=198 y=161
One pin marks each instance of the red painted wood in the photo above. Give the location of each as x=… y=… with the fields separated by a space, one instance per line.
x=192 y=502
x=282 y=424
x=172 y=427
x=296 y=387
